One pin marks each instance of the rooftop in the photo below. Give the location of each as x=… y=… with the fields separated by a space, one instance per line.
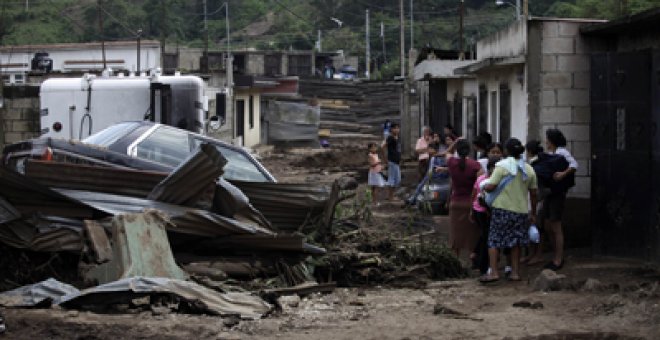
x=77 y=46
x=644 y=21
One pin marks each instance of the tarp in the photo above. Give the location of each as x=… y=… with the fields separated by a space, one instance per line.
x=288 y=121
x=43 y=294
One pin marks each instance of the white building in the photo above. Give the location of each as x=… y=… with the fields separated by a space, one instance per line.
x=16 y=61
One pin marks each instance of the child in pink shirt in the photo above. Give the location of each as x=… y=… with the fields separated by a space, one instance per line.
x=481 y=217
x=375 y=179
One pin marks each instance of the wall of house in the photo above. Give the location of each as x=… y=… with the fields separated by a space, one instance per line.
x=19 y=114
x=255 y=64
x=564 y=93
x=509 y=42
x=252 y=135
x=90 y=58
x=492 y=79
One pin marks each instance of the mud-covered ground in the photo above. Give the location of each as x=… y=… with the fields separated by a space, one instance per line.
x=601 y=298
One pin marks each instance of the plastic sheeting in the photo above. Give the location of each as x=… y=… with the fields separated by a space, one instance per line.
x=292 y=121
x=43 y=293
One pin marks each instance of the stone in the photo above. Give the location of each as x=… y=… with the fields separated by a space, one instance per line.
x=570 y=29
x=548 y=98
x=593 y=285
x=549 y=63
x=288 y=302
x=575 y=132
x=572 y=97
x=72 y=314
x=231 y=321
x=573 y=63
x=550 y=29
x=556 y=80
x=556 y=115
x=549 y=280
x=558 y=46
x=527 y=304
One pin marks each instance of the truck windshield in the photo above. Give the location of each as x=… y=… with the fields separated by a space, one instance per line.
x=108 y=136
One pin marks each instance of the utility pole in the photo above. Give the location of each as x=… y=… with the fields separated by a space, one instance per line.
x=461 y=14
x=206 y=39
x=318 y=39
x=526 y=8
x=382 y=38
x=27 y=5
x=367 y=58
x=402 y=39
x=100 y=17
x=139 y=35
x=229 y=98
x=412 y=26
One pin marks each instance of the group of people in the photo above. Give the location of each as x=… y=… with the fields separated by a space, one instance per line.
x=498 y=191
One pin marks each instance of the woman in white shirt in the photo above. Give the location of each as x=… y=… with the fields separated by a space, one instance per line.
x=553 y=207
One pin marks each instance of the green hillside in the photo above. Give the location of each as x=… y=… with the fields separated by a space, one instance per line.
x=279 y=24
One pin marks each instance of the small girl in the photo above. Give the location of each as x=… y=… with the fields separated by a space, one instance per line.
x=375 y=179
x=479 y=214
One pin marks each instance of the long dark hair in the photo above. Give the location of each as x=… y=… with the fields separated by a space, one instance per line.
x=534 y=147
x=556 y=137
x=463 y=149
x=514 y=147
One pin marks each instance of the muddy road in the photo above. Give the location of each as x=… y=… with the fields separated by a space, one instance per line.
x=598 y=298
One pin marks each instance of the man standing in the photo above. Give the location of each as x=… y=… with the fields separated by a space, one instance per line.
x=393 y=144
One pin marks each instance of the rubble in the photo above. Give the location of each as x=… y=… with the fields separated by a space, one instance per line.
x=549 y=280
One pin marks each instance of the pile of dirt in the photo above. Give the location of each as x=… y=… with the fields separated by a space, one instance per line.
x=344 y=159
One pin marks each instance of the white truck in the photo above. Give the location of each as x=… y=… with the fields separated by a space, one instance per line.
x=75 y=108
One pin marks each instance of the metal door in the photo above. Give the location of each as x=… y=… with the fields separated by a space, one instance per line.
x=654 y=235
x=621 y=162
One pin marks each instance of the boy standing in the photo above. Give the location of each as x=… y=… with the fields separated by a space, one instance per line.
x=393 y=144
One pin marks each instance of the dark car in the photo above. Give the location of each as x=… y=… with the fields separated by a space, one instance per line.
x=155 y=146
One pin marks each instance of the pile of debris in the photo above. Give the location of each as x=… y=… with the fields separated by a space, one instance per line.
x=354 y=110
x=131 y=228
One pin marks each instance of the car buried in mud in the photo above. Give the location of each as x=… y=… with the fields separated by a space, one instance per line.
x=162 y=147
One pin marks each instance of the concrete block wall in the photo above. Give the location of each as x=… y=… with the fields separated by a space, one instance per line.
x=564 y=97
x=19 y=115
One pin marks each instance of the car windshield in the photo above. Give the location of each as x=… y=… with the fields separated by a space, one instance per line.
x=108 y=136
x=239 y=167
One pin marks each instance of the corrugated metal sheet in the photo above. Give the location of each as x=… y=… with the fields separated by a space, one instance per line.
x=287 y=206
x=191 y=178
x=245 y=305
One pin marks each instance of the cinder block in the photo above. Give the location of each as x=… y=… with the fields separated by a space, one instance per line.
x=558 y=46
x=582 y=187
x=12 y=114
x=581 y=149
x=569 y=29
x=556 y=114
x=548 y=98
x=584 y=166
x=556 y=80
x=550 y=29
x=24 y=103
x=572 y=97
x=582 y=114
x=572 y=63
x=21 y=126
x=31 y=114
x=549 y=63
x=581 y=80
x=575 y=132
x=13 y=137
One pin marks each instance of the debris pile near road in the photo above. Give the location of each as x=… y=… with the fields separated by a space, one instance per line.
x=131 y=227
x=354 y=110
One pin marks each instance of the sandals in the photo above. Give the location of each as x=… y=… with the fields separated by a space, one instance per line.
x=487 y=279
